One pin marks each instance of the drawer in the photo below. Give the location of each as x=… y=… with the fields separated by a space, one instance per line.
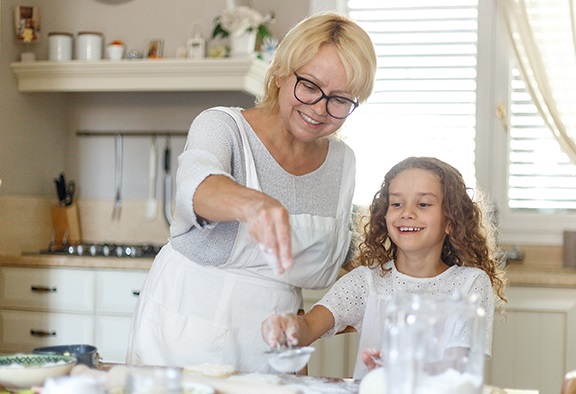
x=117 y=291
x=24 y=331
x=46 y=289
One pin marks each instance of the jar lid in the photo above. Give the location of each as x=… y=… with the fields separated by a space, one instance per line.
x=94 y=33
x=60 y=33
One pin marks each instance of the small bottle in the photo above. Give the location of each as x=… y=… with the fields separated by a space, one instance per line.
x=196 y=47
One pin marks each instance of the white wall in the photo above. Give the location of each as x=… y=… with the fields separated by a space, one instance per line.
x=38 y=131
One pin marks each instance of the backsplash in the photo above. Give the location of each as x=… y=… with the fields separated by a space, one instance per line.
x=26 y=223
x=26 y=226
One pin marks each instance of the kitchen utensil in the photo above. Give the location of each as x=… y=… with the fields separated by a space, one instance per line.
x=85 y=354
x=289 y=359
x=152 y=203
x=118 y=149
x=61 y=188
x=22 y=371
x=167 y=184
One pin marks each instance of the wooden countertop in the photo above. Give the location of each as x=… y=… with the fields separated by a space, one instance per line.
x=57 y=261
x=518 y=274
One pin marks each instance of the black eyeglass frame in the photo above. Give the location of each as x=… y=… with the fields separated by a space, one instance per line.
x=323 y=96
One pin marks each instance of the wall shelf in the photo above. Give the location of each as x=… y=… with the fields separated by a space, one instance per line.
x=147 y=75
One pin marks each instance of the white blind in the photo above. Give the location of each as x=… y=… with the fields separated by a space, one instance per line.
x=424 y=102
x=541 y=177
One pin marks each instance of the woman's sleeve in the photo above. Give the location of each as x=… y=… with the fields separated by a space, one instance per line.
x=346 y=300
x=208 y=151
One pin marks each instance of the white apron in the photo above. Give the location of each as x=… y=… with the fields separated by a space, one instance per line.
x=190 y=314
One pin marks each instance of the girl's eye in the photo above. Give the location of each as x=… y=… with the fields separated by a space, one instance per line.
x=424 y=204
x=395 y=204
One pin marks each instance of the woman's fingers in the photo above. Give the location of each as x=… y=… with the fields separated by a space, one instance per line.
x=269 y=225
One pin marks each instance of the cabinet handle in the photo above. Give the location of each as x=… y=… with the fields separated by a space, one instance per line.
x=43 y=289
x=42 y=333
x=136 y=293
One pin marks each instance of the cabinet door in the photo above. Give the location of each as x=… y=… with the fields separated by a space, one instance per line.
x=117 y=291
x=534 y=344
x=112 y=337
x=23 y=331
x=47 y=289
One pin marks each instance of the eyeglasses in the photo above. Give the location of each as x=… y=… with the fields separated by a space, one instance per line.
x=307 y=92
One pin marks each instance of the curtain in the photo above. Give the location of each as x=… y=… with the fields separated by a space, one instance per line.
x=542 y=34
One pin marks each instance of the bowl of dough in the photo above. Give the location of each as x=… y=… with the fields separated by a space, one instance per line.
x=24 y=371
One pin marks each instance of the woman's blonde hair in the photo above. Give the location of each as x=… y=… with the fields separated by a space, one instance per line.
x=303 y=42
x=471 y=240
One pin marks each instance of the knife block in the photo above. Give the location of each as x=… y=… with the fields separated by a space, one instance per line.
x=66 y=225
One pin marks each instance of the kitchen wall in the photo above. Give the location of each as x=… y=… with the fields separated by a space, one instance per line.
x=38 y=130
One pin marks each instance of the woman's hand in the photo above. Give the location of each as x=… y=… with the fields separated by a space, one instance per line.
x=269 y=225
x=371 y=358
x=281 y=330
x=219 y=198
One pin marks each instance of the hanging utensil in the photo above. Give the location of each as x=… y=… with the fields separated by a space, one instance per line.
x=167 y=184
x=117 y=210
x=152 y=203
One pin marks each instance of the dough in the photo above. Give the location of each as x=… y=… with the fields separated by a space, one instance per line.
x=373 y=383
x=214 y=370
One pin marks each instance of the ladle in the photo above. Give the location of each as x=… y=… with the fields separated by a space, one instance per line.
x=289 y=359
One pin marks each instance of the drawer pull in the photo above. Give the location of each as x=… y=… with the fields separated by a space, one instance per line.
x=136 y=293
x=43 y=289
x=42 y=333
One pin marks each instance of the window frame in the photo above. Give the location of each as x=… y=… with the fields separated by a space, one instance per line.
x=493 y=89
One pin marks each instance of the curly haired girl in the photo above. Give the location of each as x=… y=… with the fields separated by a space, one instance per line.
x=425 y=235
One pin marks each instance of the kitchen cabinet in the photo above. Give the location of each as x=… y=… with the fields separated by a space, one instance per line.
x=335 y=356
x=535 y=343
x=57 y=306
x=148 y=75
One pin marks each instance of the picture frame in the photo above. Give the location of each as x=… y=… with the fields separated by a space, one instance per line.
x=154 y=49
x=27 y=24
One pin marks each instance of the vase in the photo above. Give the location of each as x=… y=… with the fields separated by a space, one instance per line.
x=243 y=45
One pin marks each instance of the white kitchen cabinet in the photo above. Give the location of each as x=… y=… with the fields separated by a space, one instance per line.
x=535 y=343
x=56 y=306
x=334 y=356
x=116 y=296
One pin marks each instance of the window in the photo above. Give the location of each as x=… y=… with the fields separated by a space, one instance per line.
x=442 y=72
x=424 y=100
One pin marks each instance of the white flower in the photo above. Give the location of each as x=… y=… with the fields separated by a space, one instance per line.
x=236 y=21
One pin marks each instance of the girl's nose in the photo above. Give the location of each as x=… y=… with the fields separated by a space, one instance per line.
x=407 y=213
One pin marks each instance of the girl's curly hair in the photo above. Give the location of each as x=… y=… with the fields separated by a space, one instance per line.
x=472 y=237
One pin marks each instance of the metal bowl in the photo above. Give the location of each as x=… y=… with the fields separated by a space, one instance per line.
x=86 y=354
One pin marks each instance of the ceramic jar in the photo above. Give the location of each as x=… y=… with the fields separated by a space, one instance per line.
x=60 y=46
x=89 y=46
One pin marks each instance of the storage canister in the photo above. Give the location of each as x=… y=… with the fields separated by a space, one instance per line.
x=89 y=46
x=60 y=46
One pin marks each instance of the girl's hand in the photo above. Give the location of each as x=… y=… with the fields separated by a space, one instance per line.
x=371 y=358
x=281 y=330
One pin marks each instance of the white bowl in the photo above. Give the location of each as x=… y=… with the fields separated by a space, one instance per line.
x=291 y=359
x=23 y=371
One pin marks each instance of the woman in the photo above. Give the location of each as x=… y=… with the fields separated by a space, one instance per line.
x=263 y=205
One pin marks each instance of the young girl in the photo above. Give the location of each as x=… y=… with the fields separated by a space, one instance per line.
x=425 y=236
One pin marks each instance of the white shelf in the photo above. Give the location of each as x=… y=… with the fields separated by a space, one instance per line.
x=147 y=75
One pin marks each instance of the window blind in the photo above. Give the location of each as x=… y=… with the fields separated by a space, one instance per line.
x=541 y=177
x=424 y=101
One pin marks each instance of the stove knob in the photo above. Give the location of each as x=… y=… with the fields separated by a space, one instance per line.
x=93 y=250
x=119 y=251
x=106 y=250
x=71 y=249
x=80 y=250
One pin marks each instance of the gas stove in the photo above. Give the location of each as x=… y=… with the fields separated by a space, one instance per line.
x=104 y=250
